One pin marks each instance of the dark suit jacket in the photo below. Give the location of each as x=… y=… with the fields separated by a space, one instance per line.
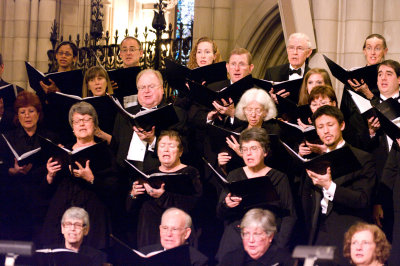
x=123 y=131
x=196 y=257
x=280 y=73
x=273 y=256
x=351 y=203
x=390 y=182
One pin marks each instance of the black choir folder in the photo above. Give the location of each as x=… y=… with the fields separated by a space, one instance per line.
x=369 y=73
x=293 y=133
x=104 y=106
x=179 y=256
x=255 y=192
x=126 y=81
x=68 y=82
x=291 y=86
x=8 y=93
x=161 y=118
x=178 y=183
x=178 y=74
x=219 y=135
x=386 y=111
x=60 y=257
x=342 y=161
x=96 y=153
x=294 y=111
x=206 y=96
x=23 y=159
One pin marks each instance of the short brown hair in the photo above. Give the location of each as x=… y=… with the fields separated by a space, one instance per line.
x=25 y=99
x=382 y=250
x=192 y=57
x=172 y=134
x=257 y=134
x=321 y=91
x=240 y=51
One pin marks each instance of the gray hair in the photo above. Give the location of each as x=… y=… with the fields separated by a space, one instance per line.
x=188 y=219
x=83 y=108
x=76 y=213
x=261 y=97
x=300 y=35
x=260 y=218
x=149 y=70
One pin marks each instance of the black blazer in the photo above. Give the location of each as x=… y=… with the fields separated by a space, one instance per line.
x=280 y=73
x=196 y=257
x=351 y=203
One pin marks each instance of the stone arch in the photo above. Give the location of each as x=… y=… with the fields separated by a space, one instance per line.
x=263 y=36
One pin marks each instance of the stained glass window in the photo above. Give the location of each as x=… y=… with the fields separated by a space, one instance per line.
x=184 y=15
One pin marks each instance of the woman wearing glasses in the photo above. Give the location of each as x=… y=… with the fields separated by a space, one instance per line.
x=66 y=56
x=256 y=109
x=91 y=184
x=254 y=146
x=153 y=201
x=258 y=229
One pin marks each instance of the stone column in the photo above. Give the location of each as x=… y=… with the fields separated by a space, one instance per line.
x=391 y=26
x=47 y=13
x=7 y=48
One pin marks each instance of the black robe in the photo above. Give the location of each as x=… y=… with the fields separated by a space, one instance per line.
x=96 y=199
x=151 y=209
x=273 y=256
x=231 y=239
x=24 y=201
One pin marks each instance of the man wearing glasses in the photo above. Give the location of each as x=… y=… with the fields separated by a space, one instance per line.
x=298 y=50
x=175 y=229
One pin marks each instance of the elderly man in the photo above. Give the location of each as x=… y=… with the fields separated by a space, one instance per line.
x=135 y=144
x=174 y=232
x=331 y=206
x=258 y=228
x=298 y=50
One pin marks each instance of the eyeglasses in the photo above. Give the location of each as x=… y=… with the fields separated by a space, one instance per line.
x=150 y=87
x=169 y=145
x=251 y=148
x=257 y=111
x=84 y=120
x=299 y=49
x=67 y=54
x=76 y=225
x=362 y=243
x=132 y=50
x=376 y=49
x=175 y=230
x=257 y=236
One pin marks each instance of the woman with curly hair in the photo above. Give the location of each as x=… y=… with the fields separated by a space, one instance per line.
x=205 y=52
x=366 y=244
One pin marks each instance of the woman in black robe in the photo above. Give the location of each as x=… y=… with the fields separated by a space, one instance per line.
x=23 y=205
x=153 y=200
x=254 y=145
x=90 y=184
